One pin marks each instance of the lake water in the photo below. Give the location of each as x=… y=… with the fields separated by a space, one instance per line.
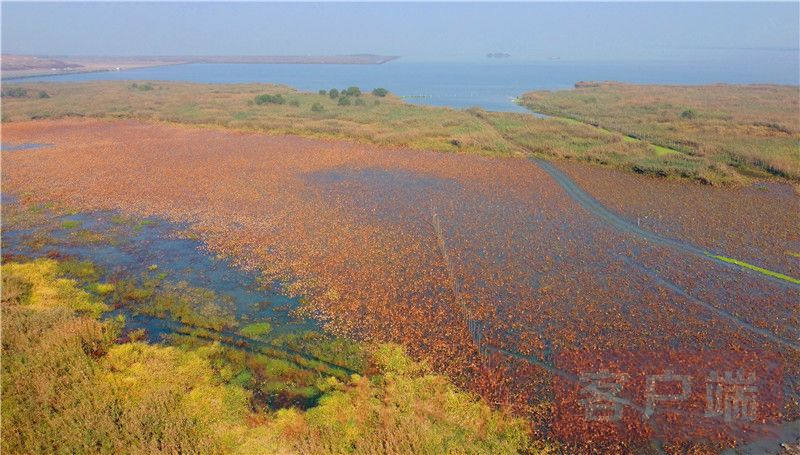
x=20 y=147
x=489 y=84
x=150 y=248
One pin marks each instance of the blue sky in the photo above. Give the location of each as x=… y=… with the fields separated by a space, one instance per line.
x=416 y=31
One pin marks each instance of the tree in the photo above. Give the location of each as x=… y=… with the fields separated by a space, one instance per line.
x=270 y=99
x=333 y=93
x=353 y=91
x=380 y=92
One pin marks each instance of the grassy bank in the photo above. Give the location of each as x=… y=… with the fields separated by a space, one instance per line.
x=712 y=134
x=734 y=130
x=379 y=120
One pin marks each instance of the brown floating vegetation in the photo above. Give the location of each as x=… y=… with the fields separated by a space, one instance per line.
x=348 y=227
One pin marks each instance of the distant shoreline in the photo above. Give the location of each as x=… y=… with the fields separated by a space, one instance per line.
x=14 y=77
x=23 y=67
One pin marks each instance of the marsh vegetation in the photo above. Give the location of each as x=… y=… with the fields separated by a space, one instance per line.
x=641 y=129
x=724 y=132
x=343 y=233
x=347 y=229
x=118 y=396
x=121 y=388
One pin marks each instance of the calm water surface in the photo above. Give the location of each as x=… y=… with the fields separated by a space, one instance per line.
x=152 y=248
x=489 y=84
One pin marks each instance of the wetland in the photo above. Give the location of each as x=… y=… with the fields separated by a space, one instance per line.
x=285 y=247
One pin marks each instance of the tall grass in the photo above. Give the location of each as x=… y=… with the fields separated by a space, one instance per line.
x=383 y=120
x=725 y=129
x=405 y=410
x=69 y=387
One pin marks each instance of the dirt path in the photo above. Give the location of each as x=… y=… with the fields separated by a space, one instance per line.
x=621 y=224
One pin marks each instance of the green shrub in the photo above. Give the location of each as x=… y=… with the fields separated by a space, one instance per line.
x=47 y=288
x=380 y=92
x=322 y=92
x=43 y=94
x=352 y=91
x=146 y=87
x=344 y=101
x=83 y=271
x=71 y=224
x=333 y=93
x=269 y=99
x=688 y=114
x=195 y=306
x=14 y=92
x=360 y=102
x=295 y=103
x=316 y=107
x=103 y=288
x=256 y=329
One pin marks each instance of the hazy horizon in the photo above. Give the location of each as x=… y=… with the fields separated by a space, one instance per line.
x=413 y=31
